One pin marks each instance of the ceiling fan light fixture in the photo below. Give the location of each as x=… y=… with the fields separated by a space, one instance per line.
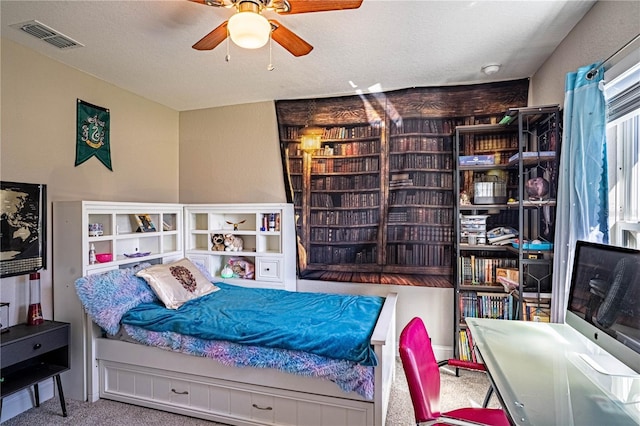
x=249 y=30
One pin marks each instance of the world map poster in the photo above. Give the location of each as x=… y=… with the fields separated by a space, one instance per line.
x=23 y=228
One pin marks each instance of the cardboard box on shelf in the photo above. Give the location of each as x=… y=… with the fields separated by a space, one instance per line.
x=511 y=274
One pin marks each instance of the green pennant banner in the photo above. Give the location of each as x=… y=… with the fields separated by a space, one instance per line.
x=92 y=134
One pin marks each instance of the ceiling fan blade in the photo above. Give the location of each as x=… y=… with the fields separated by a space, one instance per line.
x=289 y=40
x=217 y=3
x=306 y=6
x=212 y=39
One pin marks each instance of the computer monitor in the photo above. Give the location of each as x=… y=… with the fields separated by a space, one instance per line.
x=604 y=299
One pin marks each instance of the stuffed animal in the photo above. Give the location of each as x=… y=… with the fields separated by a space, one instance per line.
x=226 y=272
x=235 y=225
x=233 y=243
x=242 y=268
x=217 y=241
x=465 y=200
x=537 y=188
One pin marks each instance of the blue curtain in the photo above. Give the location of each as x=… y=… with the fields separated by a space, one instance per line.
x=582 y=204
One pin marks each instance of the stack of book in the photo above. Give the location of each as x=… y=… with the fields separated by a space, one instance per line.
x=466 y=346
x=400 y=180
x=537 y=310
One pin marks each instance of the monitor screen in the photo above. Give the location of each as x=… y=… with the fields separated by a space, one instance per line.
x=604 y=299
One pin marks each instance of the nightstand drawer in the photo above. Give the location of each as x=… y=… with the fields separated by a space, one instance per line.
x=33 y=346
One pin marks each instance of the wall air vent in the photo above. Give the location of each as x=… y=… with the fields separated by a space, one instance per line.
x=45 y=33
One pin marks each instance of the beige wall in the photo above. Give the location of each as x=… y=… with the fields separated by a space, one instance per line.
x=608 y=26
x=231 y=155
x=38 y=145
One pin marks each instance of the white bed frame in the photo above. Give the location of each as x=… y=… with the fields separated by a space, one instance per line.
x=204 y=388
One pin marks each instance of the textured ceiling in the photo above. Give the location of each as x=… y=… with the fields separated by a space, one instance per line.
x=145 y=46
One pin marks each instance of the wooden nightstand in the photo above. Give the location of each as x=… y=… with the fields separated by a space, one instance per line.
x=30 y=354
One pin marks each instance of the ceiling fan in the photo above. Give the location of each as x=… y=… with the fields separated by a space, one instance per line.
x=250 y=29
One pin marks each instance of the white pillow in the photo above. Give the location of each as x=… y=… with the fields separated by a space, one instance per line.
x=178 y=282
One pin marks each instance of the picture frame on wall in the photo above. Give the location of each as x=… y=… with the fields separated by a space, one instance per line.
x=23 y=234
x=145 y=223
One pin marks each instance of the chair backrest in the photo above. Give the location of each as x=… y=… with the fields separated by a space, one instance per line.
x=421 y=369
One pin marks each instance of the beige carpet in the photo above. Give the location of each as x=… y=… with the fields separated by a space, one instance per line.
x=465 y=391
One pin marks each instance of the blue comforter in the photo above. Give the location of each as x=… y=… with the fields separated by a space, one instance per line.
x=332 y=325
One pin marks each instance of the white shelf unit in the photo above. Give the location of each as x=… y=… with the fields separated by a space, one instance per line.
x=121 y=239
x=71 y=243
x=273 y=252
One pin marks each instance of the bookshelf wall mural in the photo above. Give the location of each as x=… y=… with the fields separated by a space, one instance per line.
x=375 y=203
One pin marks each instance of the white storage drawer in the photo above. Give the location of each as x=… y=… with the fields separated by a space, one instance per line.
x=227 y=401
x=269 y=269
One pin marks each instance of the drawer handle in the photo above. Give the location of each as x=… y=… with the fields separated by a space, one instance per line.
x=267 y=269
x=262 y=408
x=180 y=393
x=37 y=346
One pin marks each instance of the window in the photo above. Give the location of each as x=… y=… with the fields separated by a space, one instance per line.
x=622 y=94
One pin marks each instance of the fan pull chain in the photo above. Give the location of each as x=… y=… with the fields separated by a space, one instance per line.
x=270 y=67
x=227 y=57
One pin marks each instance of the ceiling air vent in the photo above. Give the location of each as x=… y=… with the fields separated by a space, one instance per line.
x=45 y=33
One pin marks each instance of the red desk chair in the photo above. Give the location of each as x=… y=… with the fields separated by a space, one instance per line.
x=423 y=376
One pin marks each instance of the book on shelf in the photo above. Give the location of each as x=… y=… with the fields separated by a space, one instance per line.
x=351 y=132
x=486 y=305
x=505 y=242
x=463 y=346
x=483 y=270
x=471 y=346
x=508 y=284
x=400 y=179
x=144 y=223
x=509 y=278
x=399 y=176
x=502 y=233
x=420 y=125
x=540 y=155
x=400 y=183
x=432 y=161
x=401 y=144
x=466 y=349
x=537 y=310
x=496 y=142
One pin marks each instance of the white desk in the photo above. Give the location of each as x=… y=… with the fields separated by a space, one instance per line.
x=542 y=377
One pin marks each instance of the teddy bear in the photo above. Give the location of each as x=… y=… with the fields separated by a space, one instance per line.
x=217 y=242
x=233 y=243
